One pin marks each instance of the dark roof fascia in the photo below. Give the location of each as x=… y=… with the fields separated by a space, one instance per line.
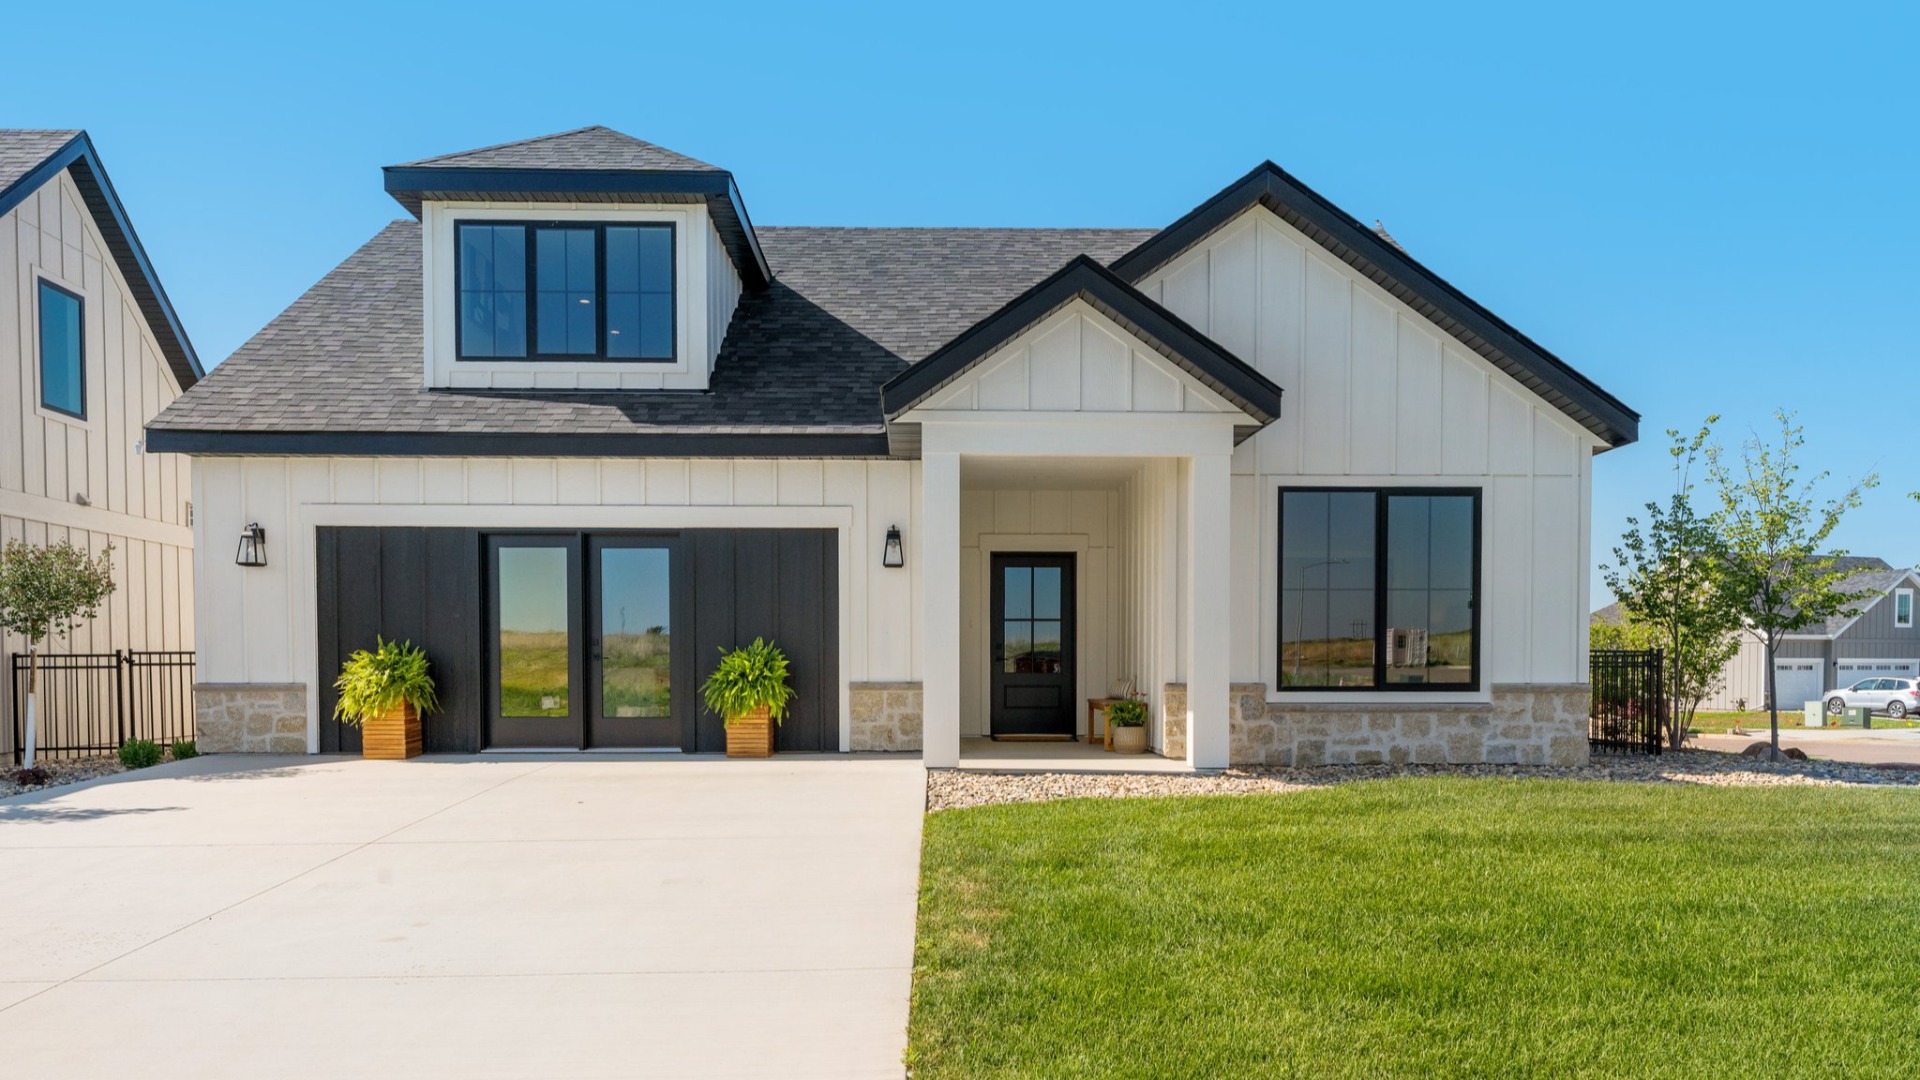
x=410 y=185
x=1403 y=276
x=1085 y=279
x=517 y=444
x=79 y=156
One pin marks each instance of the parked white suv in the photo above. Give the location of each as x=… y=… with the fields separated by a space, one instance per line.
x=1898 y=698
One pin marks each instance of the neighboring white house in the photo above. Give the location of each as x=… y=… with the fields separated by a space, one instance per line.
x=90 y=350
x=578 y=397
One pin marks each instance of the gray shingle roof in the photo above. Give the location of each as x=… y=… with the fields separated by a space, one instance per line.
x=23 y=149
x=805 y=356
x=593 y=147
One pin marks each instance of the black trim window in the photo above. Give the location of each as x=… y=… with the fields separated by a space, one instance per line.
x=63 y=353
x=1379 y=589
x=571 y=292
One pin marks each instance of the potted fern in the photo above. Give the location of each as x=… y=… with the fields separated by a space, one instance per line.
x=748 y=689
x=384 y=693
x=1128 y=721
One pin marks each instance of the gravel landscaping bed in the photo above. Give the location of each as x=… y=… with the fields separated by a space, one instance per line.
x=59 y=773
x=955 y=789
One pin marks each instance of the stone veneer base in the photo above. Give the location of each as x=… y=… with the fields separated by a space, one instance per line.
x=886 y=716
x=1522 y=725
x=250 y=718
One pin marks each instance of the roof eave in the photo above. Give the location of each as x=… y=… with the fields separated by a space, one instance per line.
x=410 y=185
x=79 y=156
x=762 y=443
x=1406 y=279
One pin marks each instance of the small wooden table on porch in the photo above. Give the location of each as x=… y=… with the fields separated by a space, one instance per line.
x=1100 y=705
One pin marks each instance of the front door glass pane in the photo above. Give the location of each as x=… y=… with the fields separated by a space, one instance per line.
x=636 y=632
x=534 y=641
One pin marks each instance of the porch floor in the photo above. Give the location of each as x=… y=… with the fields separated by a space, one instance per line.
x=985 y=755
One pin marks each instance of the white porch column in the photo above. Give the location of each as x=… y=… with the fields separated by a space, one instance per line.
x=1209 y=607
x=940 y=609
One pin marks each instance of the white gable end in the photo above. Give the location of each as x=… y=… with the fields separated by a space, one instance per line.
x=1077 y=361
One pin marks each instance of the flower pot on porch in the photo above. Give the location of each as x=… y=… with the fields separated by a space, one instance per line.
x=1130 y=740
x=750 y=734
x=393 y=735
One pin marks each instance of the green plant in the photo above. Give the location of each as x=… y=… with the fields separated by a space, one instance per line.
x=139 y=753
x=1773 y=527
x=1671 y=579
x=1127 y=714
x=184 y=749
x=371 y=683
x=44 y=591
x=747 y=679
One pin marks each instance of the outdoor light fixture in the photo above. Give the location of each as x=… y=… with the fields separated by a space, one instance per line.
x=894 y=558
x=253 y=546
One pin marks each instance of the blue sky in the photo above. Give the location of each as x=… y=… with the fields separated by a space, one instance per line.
x=1706 y=208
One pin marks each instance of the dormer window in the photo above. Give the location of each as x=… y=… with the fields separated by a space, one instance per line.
x=566 y=292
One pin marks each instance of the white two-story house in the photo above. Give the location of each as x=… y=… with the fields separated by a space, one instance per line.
x=90 y=350
x=576 y=422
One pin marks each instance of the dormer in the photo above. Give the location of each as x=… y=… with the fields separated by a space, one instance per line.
x=586 y=260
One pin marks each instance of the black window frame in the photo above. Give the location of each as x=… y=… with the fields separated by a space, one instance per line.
x=40 y=344
x=599 y=356
x=1380 y=592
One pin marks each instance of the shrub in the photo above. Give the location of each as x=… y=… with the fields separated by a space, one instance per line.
x=31 y=776
x=1127 y=714
x=139 y=753
x=371 y=683
x=748 y=679
x=184 y=749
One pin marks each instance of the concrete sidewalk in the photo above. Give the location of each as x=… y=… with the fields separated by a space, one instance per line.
x=463 y=917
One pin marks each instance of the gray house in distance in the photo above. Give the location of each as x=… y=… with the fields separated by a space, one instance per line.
x=1879 y=638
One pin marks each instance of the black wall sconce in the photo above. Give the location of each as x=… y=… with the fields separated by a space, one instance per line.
x=253 y=546
x=895 y=556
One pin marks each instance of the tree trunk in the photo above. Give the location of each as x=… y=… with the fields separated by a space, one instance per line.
x=33 y=697
x=1773 y=700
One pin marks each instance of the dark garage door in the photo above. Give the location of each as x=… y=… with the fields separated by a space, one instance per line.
x=427 y=585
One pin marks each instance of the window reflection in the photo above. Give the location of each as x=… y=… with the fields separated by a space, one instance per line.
x=534 y=642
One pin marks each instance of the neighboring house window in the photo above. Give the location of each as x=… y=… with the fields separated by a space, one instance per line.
x=1379 y=589
x=63 y=356
x=568 y=292
x=1903 y=608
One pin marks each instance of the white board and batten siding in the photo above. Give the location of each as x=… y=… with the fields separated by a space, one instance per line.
x=1376 y=395
x=258 y=624
x=135 y=501
x=707 y=288
x=1076 y=361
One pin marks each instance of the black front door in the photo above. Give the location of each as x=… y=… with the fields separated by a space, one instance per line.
x=582 y=643
x=1033 y=646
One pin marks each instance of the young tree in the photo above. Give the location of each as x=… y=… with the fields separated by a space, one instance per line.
x=1773 y=527
x=1670 y=577
x=44 y=591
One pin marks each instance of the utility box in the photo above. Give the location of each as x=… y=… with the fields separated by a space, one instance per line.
x=1815 y=713
x=1854 y=716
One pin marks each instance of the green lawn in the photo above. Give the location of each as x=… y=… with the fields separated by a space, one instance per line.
x=1421 y=927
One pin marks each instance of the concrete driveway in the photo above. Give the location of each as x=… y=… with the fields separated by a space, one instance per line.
x=1866 y=746
x=463 y=917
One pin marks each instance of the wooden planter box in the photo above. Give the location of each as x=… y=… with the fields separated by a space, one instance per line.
x=392 y=737
x=750 y=735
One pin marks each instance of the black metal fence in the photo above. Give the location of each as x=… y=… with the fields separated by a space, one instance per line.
x=1629 y=701
x=90 y=703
